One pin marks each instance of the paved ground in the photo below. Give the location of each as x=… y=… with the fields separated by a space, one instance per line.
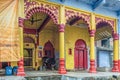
x=72 y=74
x=69 y=76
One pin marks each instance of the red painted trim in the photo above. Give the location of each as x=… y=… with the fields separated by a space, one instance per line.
x=92 y=68
x=29 y=31
x=74 y=21
x=21 y=21
x=44 y=23
x=29 y=39
x=44 y=10
x=92 y=33
x=20 y=71
x=69 y=14
x=119 y=65
x=99 y=20
x=115 y=66
x=62 y=69
x=115 y=36
x=61 y=27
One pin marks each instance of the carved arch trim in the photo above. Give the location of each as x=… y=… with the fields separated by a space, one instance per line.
x=72 y=14
x=111 y=23
x=31 y=7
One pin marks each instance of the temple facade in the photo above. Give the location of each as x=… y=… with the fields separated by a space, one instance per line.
x=75 y=35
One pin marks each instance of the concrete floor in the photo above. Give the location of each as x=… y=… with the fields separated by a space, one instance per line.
x=69 y=76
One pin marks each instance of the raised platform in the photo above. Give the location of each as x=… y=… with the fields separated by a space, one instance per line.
x=72 y=75
x=53 y=75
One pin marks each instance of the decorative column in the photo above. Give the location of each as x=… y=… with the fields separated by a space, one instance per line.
x=62 y=69
x=115 y=52
x=20 y=71
x=92 y=68
x=36 y=50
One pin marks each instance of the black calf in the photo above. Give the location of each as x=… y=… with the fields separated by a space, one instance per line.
x=48 y=63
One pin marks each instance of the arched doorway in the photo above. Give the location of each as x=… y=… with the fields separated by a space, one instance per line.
x=48 y=50
x=41 y=21
x=104 y=44
x=80 y=55
x=28 y=52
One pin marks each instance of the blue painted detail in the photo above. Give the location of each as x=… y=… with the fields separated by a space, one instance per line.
x=98 y=3
x=104 y=60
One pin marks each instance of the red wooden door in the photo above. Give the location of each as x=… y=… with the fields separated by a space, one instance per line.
x=80 y=55
x=80 y=59
x=76 y=59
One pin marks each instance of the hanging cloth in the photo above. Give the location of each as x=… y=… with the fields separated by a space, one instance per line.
x=9 y=31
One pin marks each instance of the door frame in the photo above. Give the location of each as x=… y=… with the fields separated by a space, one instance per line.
x=82 y=47
x=31 y=57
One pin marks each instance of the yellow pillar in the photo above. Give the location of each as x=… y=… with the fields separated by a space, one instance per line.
x=92 y=68
x=21 y=42
x=115 y=52
x=92 y=52
x=36 y=51
x=62 y=69
x=61 y=42
x=20 y=71
x=119 y=53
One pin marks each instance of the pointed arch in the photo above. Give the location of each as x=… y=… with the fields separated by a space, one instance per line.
x=44 y=10
x=101 y=21
x=69 y=14
x=48 y=50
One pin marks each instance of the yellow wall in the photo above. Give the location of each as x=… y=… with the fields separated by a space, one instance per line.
x=31 y=45
x=72 y=34
x=44 y=36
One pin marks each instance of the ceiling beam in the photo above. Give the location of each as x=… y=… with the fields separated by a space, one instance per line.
x=29 y=31
x=47 y=19
x=72 y=22
x=98 y=3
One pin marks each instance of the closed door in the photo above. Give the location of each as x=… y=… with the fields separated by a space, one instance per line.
x=80 y=54
x=79 y=59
